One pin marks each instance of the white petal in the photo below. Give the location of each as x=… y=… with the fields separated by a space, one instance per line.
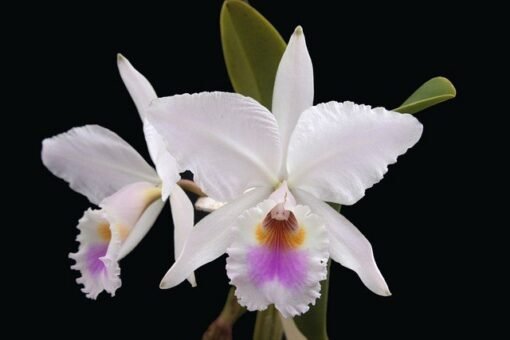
x=290 y=329
x=104 y=233
x=338 y=150
x=96 y=258
x=293 y=88
x=210 y=238
x=141 y=228
x=133 y=209
x=183 y=217
x=229 y=142
x=138 y=86
x=143 y=94
x=127 y=205
x=347 y=245
x=166 y=166
x=207 y=204
x=278 y=260
x=95 y=161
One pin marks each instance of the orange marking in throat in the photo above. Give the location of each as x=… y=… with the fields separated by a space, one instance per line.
x=280 y=234
x=103 y=230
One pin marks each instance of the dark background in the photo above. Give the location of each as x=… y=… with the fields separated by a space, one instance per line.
x=415 y=218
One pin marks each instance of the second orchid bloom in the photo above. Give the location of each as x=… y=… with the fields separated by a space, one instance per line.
x=130 y=193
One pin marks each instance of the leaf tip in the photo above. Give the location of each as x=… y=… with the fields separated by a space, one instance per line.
x=449 y=84
x=227 y=4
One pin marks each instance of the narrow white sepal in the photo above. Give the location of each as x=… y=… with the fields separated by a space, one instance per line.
x=183 y=217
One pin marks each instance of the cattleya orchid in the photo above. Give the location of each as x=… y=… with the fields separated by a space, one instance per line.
x=130 y=193
x=275 y=171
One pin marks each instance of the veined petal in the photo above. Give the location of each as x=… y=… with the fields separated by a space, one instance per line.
x=95 y=161
x=293 y=89
x=347 y=245
x=229 y=142
x=210 y=238
x=279 y=256
x=104 y=232
x=338 y=150
x=143 y=94
x=183 y=217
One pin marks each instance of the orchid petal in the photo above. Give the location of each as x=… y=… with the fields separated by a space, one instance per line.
x=143 y=94
x=210 y=238
x=183 y=217
x=228 y=141
x=138 y=86
x=96 y=258
x=278 y=258
x=293 y=89
x=347 y=245
x=127 y=205
x=166 y=165
x=133 y=209
x=338 y=150
x=95 y=161
x=103 y=235
x=142 y=227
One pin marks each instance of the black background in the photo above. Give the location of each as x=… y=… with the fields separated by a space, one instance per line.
x=413 y=218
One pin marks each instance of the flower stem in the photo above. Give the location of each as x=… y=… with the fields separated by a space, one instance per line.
x=191 y=186
x=268 y=325
x=221 y=328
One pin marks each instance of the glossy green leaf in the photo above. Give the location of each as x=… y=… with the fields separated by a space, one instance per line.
x=433 y=92
x=252 y=48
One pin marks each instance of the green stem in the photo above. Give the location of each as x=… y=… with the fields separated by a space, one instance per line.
x=221 y=328
x=268 y=325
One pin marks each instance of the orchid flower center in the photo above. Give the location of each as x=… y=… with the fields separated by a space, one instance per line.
x=280 y=230
x=279 y=213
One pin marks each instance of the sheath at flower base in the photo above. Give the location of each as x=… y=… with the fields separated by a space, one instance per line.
x=275 y=171
x=130 y=193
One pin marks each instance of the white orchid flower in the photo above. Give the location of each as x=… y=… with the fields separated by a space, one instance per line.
x=275 y=170
x=130 y=193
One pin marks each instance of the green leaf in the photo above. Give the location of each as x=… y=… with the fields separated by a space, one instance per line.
x=434 y=91
x=252 y=48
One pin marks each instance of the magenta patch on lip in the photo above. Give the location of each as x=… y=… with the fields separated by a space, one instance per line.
x=94 y=263
x=289 y=267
